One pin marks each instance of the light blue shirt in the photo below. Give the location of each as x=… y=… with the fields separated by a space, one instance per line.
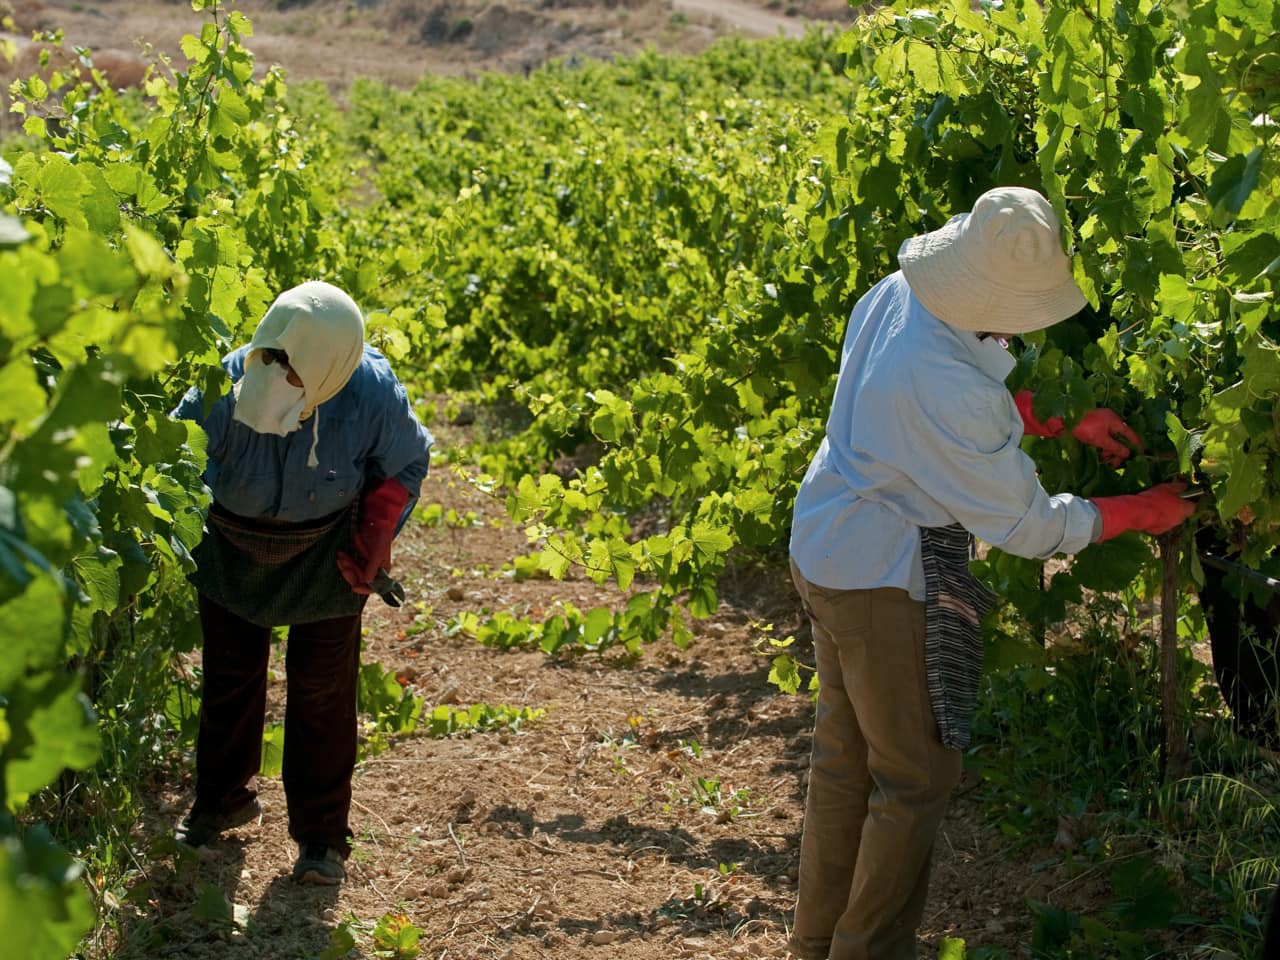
x=922 y=433
x=366 y=431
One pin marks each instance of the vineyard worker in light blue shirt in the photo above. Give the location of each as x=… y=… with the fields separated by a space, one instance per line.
x=921 y=452
x=315 y=461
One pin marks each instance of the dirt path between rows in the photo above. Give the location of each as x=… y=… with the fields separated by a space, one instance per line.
x=750 y=20
x=653 y=812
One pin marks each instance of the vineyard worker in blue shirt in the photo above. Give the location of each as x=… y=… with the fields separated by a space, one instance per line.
x=315 y=460
x=922 y=450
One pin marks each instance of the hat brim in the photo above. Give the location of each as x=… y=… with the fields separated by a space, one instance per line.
x=950 y=289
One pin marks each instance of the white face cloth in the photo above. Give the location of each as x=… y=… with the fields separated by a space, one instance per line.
x=265 y=399
x=322 y=330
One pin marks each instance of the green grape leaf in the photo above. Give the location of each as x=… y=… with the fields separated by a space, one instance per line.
x=44 y=906
x=1246 y=478
x=1233 y=182
x=1004 y=651
x=148 y=256
x=98 y=574
x=272 y=764
x=193 y=48
x=83 y=394
x=32 y=623
x=703 y=600
x=51 y=728
x=1187 y=443
x=613 y=420
x=554 y=562
x=1259 y=14
x=784 y=673
x=63 y=189
x=710 y=542
x=213 y=907
x=1111 y=566
x=21 y=397
x=596 y=627
x=100 y=205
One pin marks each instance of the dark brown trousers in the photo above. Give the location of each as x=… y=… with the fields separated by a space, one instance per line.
x=322 y=663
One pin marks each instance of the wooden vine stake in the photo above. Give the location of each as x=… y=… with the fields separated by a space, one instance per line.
x=1175 y=758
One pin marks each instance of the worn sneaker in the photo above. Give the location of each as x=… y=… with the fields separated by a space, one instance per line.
x=200 y=826
x=319 y=865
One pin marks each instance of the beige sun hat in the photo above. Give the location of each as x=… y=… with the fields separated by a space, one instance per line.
x=1000 y=268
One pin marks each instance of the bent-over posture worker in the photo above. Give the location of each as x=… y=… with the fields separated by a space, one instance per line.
x=315 y=460
x=922 y=452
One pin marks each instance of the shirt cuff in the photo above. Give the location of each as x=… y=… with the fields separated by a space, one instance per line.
x=1083 y=526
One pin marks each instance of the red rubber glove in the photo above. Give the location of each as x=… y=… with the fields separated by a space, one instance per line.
x=1030 y=425
x=1099 y=428
x=380 y=511
x=1151 y=511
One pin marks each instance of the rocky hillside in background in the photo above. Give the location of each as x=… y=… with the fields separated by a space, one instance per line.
x=335 y=41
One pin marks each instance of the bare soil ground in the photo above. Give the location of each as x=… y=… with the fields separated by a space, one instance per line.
x=583 y=835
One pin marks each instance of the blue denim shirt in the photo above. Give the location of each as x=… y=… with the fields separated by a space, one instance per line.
x=922 y=433
x=366 y=432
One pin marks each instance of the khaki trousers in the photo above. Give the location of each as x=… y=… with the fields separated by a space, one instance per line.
x=879 y=777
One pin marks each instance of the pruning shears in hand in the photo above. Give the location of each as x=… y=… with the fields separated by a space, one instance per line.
x=390 y=590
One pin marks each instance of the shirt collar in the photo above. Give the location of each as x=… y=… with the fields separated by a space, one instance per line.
x=990 y=356
x=995 y=359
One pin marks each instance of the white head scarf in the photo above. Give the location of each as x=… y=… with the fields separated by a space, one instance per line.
x=322 y=330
